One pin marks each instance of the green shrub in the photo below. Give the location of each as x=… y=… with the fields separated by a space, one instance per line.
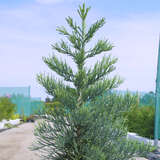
x=7 y=108
x=23 y=118
x=141 y=121
x=15 y=116
x=51 y=107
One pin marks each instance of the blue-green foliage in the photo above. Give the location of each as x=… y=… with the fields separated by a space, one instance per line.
x=95 y=132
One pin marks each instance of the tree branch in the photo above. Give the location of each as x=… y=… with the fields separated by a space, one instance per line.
x=93 y=29
x=60 y=68
x=63 y=47
x=100 y=87
x=64 y=93
x=101 y=46
x=100 y=70
x=73 y=38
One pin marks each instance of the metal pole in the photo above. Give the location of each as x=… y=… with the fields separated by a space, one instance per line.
x=157 y=107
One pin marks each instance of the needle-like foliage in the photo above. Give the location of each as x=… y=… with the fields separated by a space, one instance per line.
x=87 y=83
x=95 y=132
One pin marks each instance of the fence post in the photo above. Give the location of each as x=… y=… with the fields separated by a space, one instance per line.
x=157 y=109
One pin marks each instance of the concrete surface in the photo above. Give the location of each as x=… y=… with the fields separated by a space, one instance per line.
x=14 y=143
x=13 y=122
x=134 y=136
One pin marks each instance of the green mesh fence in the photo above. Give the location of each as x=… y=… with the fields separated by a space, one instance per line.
x=36 y=106
x=21 y=97
x=148 y=99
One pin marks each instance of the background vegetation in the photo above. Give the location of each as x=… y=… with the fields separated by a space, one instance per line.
x=7 y=108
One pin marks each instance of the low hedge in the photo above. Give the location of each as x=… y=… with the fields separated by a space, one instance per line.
x=140 y=120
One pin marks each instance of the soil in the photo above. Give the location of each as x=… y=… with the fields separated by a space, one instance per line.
x=14 y=143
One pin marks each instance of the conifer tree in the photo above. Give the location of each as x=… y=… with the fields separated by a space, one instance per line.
x=95 y=132
x=87 y=83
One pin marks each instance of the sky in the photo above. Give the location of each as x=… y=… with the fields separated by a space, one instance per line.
x=28 y=28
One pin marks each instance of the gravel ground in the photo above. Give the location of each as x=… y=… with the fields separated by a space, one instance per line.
x=14 y=143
